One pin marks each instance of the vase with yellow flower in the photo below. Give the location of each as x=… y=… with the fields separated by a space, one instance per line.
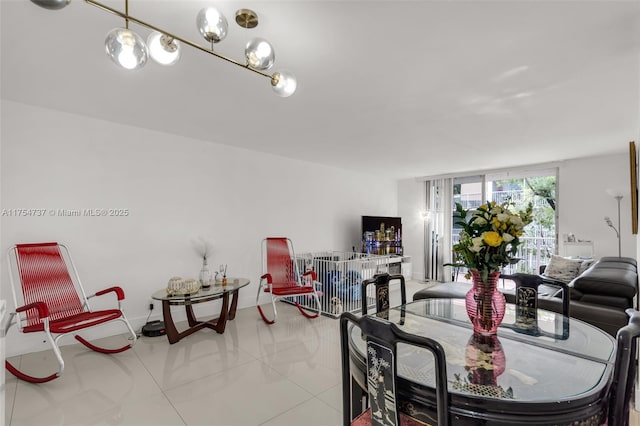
x=488 y=242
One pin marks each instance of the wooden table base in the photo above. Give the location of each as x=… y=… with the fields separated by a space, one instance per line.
x=218 y=324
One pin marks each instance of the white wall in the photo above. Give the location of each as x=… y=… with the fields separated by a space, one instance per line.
x=411 y=204
x=175 y=189
x=583 y=204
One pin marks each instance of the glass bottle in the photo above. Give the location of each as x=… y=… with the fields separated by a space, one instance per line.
x=205 y=274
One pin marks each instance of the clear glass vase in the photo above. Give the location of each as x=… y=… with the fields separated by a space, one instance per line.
x=485 y=304
x=205 y=274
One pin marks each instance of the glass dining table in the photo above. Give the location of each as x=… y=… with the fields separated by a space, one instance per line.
x=542 y=368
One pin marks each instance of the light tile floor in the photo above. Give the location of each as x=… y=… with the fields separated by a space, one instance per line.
x=253 y=374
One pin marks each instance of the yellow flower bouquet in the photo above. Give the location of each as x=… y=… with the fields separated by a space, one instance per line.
x=489 y=240
x=490 y=236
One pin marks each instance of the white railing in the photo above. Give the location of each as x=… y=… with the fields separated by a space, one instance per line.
x=473 y=200
x=533 y=252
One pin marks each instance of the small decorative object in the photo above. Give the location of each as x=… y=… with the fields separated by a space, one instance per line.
x=204 y=248
x=179 y=286
x=224 y=275
x=336 y=305
x=221 y=274
x=489 y=241
x=191 y=286
x=205 y=274
x=175 y=284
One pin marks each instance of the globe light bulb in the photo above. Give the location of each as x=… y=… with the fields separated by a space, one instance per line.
x=163 y=49
x=259 y=54
x=284 y=83
x=126 y=48
x=212 y=24
x=52 y=4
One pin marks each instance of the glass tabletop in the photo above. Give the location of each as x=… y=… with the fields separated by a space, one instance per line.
x=551 y=358
x=203 y=294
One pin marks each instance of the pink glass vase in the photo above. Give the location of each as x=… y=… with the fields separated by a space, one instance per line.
x=485 y=304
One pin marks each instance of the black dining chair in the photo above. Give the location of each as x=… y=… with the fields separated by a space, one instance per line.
x=527 y=301
x=382 y=339
x=382 y=290
x=624 y=374
x=528 y=291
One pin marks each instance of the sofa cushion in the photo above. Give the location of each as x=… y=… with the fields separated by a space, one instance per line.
x=608 y=319
x=574 y=293
x=562 y=269
x=629 y=260
x=455 y=290
x=607 y=281
x=615 y=265
x=615 y=301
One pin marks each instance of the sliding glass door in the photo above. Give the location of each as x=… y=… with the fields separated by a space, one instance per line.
x=539 y=239
x=468 y=191
x=518 y=188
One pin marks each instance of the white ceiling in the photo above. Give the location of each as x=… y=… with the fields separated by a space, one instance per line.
x=396 y=88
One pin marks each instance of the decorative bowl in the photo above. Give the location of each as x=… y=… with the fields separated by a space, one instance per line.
x=179 y=286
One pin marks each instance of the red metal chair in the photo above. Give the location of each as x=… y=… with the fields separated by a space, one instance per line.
x=51 y=299
x=281 y=277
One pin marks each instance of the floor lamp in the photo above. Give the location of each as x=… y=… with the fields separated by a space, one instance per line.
x=618 y=197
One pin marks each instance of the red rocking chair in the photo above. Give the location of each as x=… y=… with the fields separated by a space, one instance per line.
x=51 y=299
x=282 y=277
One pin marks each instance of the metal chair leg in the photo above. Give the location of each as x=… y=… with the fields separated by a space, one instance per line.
x=261 y=311
x=32 y=379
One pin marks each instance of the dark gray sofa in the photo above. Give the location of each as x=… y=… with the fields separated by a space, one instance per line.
x=599 y=295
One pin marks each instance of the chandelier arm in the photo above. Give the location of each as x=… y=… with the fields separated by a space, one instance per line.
x=128 y=18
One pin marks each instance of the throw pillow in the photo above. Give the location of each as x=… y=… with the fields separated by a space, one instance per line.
x=585 y=264
x=562 y=269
